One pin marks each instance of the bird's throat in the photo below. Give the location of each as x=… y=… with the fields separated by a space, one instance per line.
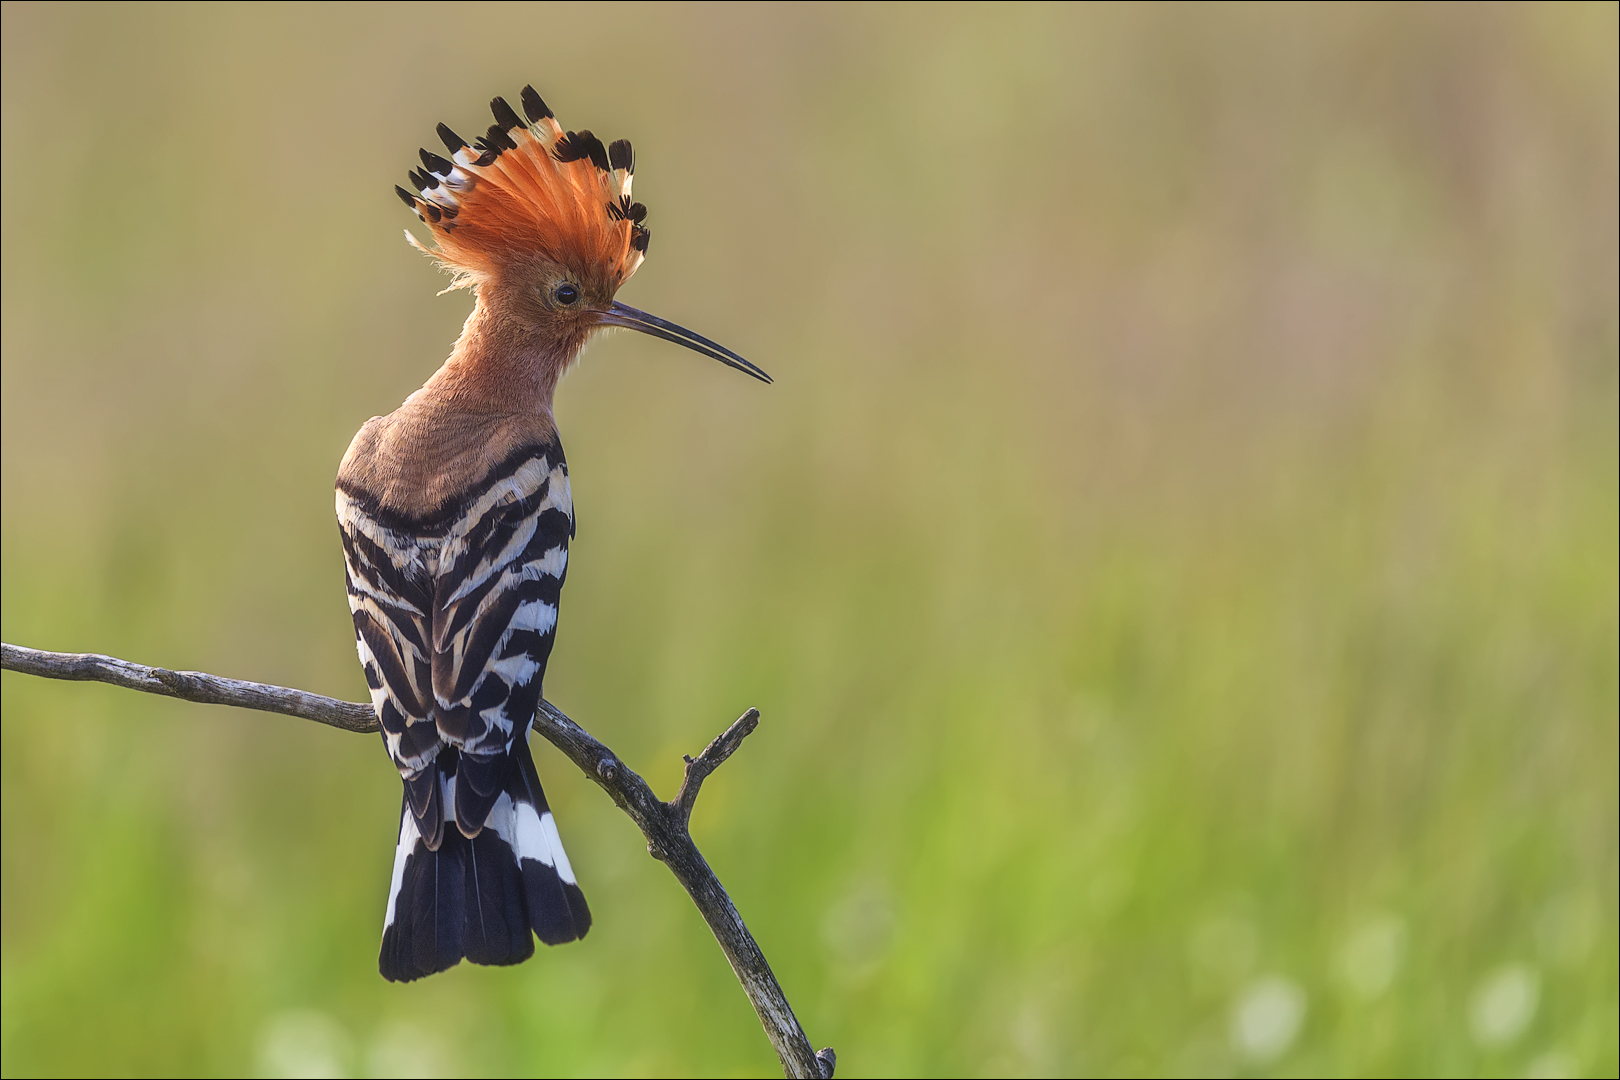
x=503 y=363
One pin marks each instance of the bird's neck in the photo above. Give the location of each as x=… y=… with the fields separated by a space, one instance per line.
x=501 y=365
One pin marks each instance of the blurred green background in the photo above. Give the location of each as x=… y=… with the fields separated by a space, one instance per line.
x=1176 y=563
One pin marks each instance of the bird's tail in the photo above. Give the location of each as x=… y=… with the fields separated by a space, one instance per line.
x=479 y=898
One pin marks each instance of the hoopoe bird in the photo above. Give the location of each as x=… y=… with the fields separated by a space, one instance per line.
x=456 y=515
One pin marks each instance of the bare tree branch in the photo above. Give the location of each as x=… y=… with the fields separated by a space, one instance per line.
x=190 y=686
x=714 y=755
x=664 y=824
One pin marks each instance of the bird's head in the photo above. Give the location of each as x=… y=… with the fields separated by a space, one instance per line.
x=540 y=223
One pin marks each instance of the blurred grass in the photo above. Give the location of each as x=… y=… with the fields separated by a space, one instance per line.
x=1176 y=563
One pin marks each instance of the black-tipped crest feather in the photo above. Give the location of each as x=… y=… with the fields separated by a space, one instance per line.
x=505 y=115
x=569 y=148
x=452 y=141
x=499 y=137
x=597 y=152
x=465 y=185
x=534 y=106
x=434 y=163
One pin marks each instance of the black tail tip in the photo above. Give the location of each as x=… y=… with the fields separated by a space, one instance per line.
x=475 y=899
x=558 y=924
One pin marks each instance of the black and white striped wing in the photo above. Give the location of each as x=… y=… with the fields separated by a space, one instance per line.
x=389 y=570
x=493 y=620
x=454 y=622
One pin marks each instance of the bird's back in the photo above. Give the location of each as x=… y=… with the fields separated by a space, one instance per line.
x=455 y=533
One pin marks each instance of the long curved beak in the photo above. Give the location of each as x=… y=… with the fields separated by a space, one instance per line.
x=630 y=318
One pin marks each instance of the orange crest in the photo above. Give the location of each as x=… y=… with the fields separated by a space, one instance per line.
x=530 y=189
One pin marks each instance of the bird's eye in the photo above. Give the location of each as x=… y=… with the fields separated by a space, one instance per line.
x=565 y=294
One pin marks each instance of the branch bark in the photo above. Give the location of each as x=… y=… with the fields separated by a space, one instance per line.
x=664 y=824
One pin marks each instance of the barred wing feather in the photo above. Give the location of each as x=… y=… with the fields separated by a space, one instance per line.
x=454 y=622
